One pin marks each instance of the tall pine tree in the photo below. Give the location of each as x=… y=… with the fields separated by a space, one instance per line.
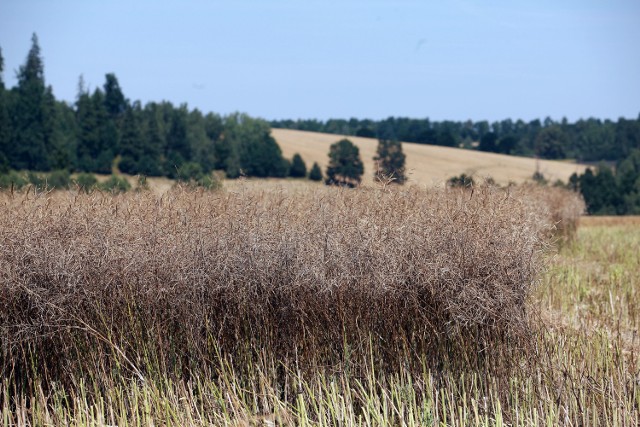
x=5 y=125
x=31 y=134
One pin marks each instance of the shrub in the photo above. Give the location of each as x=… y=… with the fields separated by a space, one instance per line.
x=115 y=184
x=86 y=182
x=462 y=181
x=12 y=180
x=59 y=179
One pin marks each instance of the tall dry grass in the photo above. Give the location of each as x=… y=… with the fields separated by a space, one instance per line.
x=329 y=280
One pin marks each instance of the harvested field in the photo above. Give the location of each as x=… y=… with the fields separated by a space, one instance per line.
x=428 y=165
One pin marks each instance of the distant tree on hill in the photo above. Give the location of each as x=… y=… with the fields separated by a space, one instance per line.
x=315 y=174
x=298 y=168
x=389 y=161
x=345 y=166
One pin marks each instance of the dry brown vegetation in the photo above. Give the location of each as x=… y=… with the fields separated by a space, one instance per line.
x=428 y=165
x=316 y=304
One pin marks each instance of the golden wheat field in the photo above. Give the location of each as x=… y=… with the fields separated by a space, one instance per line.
x=427 y=165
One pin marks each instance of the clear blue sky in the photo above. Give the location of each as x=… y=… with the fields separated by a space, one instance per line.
x=441 y=59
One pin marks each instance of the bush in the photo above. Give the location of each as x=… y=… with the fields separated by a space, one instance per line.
x=59 y=179
x=86 y=182
x=115 y=184
x=12 y=180
x=462 y=181
x=38 y=181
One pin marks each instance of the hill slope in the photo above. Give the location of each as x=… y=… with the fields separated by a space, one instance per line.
x=427 y=164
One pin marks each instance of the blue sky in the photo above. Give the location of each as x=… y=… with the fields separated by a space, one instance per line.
x=456 y=60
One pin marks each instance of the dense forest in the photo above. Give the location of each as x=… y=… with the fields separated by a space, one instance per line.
x=103 y=131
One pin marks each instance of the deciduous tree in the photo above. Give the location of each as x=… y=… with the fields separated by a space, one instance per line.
x=345 y=166
x=390 y=161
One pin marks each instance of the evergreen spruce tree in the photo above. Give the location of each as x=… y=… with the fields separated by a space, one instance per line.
x=114 y=100
x=154 y=141
x=5 y=123
x=131 y=143
x=298 y=168
x=390 y=161
x=30 y=114
x=178 y=150
x=345 y=166
x=315 y=174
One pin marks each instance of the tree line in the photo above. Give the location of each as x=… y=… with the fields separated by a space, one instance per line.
x=586 y=140
x=103 y=130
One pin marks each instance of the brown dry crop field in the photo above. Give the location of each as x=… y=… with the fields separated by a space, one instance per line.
x=288 y=305
x=427 y=165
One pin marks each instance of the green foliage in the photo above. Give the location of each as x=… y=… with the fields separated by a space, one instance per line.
x=550 y=143
x=462 y=181
x=606 y=192
x=189 y=171
x=390 y=161
x=86 y=182
x=298 y=167
x=345 y=166
x=5 y=123
x=115 y=184
x=584 y=140
x=59 y=179
x=250 y=148
x=489 y=142
x=12 y=180
x=315 y=174
x=31 y=136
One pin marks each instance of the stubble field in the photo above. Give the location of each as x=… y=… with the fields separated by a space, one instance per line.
x=428 y=165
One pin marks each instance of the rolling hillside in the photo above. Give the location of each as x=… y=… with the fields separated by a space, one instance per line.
x=427 y=164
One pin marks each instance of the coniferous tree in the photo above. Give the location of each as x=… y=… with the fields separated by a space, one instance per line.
x=345 y=166
x=30 y=113
x=298 y=167
x=390 y=161
x=97 y=139
x=5 y=124
x=178 y=150
x=114 y=101
x=153 y=141
x=201 y=144
x=315 y=174
x=131 y=143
